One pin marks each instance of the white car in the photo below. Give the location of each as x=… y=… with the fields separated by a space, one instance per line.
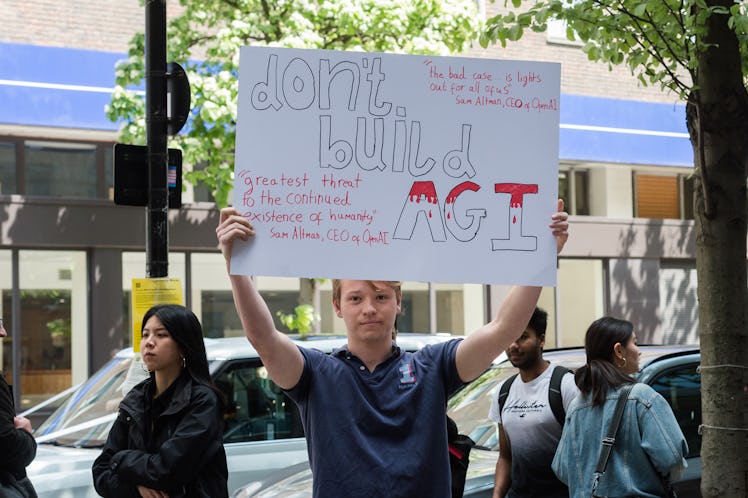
x=263 y=430
x=670 y=370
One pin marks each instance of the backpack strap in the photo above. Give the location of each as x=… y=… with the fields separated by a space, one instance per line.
x=504 y=392
x=554 y=393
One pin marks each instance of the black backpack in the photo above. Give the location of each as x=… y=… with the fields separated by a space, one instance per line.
x=459 y=452
x=554 y=393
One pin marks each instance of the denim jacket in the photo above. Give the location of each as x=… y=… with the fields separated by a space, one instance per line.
x=649 y=444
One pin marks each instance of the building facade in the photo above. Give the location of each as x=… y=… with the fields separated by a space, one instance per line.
x=68 y=254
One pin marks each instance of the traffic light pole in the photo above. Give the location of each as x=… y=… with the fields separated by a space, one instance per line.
x=157 y=211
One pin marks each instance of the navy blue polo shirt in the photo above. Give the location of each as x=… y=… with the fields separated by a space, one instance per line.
x=382 y=433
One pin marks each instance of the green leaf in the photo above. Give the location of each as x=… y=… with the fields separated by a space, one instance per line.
x=640 y=9
x=301 y=320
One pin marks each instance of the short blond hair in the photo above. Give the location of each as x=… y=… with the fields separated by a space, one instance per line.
x=395 y=285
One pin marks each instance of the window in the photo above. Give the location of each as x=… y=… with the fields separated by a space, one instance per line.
x=56 y=168
x=449 y=309
x=663 y=196
x=413 y=302
x=218 y=311
x=61 y=169
x=679 y=304
x=109 y=172
x=7 y=168
x=579 y=298
x=97 y=398
x=218 y=314
x=434 y=307
x=257 y=409
x=681 y=388
x=557 y=32
x=6 y=290
x=201 y=193
x=53 y=317
x=573 y=189
x=656 y=196
x=686 y=197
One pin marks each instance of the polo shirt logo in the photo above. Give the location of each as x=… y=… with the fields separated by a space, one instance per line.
x=407 y=375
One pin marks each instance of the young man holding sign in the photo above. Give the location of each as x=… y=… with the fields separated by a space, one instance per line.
x=374 y=416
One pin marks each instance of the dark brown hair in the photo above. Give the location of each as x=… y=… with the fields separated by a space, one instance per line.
x=599 y=375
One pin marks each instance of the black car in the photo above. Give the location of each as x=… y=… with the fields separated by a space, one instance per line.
x=671 y=370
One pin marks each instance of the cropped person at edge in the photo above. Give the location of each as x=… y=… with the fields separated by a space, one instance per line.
x=17 y=443
x=375 y=416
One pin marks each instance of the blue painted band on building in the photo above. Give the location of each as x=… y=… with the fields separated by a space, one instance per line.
x=69 y=88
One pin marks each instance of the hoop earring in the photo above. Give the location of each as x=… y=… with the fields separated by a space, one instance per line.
x=622 y=365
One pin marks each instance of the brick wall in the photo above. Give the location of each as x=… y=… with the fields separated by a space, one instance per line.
x=106 y=25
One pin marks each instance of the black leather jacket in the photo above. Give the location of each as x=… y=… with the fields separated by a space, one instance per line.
x=182 y=453
x=18 y=446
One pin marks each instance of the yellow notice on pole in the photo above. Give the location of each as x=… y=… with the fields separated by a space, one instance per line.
x=147 y=292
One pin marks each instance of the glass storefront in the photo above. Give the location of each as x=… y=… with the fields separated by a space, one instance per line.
x=6 y=290
x=211 y=298
x=212 y=302
x=53 y=300
x=53 y=304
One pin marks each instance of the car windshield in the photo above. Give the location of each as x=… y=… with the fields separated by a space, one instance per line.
x=469 y=406
x=85 y=419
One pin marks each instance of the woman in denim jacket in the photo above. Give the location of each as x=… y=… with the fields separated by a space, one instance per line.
x=649 y=445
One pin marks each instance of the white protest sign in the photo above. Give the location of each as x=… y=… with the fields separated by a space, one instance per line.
x=396 y=167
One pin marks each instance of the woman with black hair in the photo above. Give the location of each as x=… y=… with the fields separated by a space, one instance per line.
x=649 y=448
x=167 y=441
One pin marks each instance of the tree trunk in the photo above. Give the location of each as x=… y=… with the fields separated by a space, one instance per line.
x=718 y=120
x=309 y=294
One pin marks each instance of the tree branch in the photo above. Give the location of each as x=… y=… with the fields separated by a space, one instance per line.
x=650 y=43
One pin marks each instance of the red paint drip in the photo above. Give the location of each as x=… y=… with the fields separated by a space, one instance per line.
x=423 y=189
x=518 y=190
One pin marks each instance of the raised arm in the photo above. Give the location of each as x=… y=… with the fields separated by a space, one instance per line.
x=279 y=354
x=479 y=349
